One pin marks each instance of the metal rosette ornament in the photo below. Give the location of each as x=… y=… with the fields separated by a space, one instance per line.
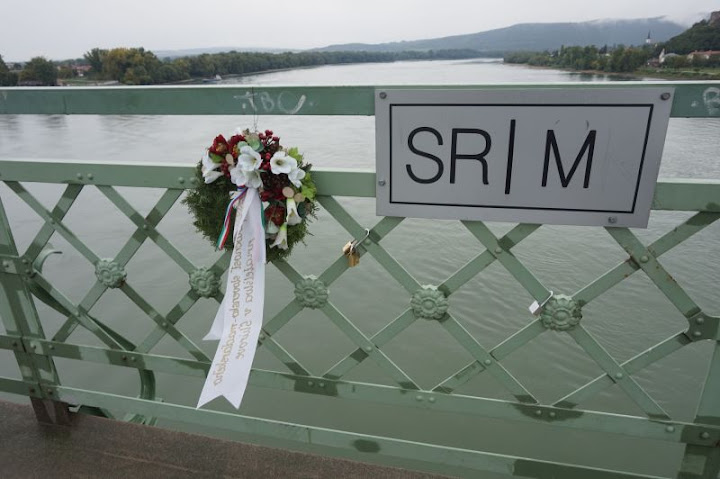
x=253 y=160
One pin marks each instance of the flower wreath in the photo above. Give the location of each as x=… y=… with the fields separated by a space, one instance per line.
x=253 y=160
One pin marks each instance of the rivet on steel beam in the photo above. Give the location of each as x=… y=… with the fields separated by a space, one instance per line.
x=382 y=95
x=552 y=414
x=670 y=429
x=145 y=227
x=487 y=362
x=498 y=250
x=418 y=398
x=79 y=176
x=193 y=180
x=33 y=346
x=619 y=375
x=700 y=320
x=368 y=348
x=262 y=337
x=90 y=176
x=181 y=180
x=538 y=412
x=697 y=334
x=51 y=347
x=164 y=325
x=133 y=359
x=705 y=435
x=431 y=399
x=50 y=391
x=644 y=259
x=381 y=182
x=124 y=358
x=310 y=383
x=15 y=344
x=25 y=261
x=322 y=385
x=665 y=96
x=612 y=219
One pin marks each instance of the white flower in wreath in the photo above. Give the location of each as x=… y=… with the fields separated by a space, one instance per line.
x=281 y=238
x=292 y=217
x=249 y=159
x=250 y=179
x=295 y=176
x=282 y=163
x=209 y=169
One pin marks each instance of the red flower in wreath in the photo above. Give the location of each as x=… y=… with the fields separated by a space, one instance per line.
x=219 y=146
x=275 y=213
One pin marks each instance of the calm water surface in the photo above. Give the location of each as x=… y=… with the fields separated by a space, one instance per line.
x=627 y=319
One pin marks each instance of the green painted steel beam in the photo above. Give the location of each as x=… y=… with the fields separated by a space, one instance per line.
x=704 y=461
x=149 y=175
x=670 y=194
x=689 y=99
x=669 y=430
x=188 y=100
x=18 y=312
x=631 y=366
x=344 y=440
x=687 y=195
x=17 y=386
x=330 y=182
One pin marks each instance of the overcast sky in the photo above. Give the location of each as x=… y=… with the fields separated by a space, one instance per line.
x=68 y=28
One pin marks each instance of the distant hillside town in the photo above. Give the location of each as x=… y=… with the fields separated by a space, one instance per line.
x=694 y=53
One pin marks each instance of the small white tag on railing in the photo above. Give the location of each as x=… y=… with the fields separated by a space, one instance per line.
x=536 y=308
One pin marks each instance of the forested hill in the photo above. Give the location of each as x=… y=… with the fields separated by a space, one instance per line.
x=704 y=35
x=537 y=37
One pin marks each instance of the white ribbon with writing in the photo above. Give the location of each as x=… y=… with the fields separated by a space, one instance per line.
x=239 y=320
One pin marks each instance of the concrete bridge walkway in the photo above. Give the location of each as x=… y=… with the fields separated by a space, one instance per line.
x=96 y=447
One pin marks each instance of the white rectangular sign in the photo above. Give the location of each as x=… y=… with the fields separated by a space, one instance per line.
x=571 y=156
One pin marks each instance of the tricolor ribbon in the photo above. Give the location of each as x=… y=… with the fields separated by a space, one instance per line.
x=225 y=232
x=238 y=321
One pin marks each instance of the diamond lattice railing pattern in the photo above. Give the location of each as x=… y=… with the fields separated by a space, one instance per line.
x=559 y=313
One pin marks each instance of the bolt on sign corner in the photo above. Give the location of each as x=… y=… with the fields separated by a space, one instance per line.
x=572 y=156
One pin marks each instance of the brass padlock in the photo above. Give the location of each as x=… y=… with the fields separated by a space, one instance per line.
x=351 y=253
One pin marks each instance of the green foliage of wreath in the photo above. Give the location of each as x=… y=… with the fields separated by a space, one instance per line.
x=208 y=203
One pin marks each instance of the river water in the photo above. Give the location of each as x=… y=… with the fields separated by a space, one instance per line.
x=627 y=319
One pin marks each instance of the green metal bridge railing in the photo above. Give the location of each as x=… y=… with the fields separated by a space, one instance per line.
x=22 y=282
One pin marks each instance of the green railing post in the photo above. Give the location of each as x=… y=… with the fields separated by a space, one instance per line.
x=21 y=321
x=703 y=461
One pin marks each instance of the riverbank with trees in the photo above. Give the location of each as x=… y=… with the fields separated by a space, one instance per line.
x=631 y=61
x=137 y=66
x=694 y=54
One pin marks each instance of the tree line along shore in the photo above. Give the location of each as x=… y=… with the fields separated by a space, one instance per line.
x=137 y=66
x=694 y=54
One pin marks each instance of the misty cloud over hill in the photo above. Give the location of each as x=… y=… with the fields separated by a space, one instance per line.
x=537 y=36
